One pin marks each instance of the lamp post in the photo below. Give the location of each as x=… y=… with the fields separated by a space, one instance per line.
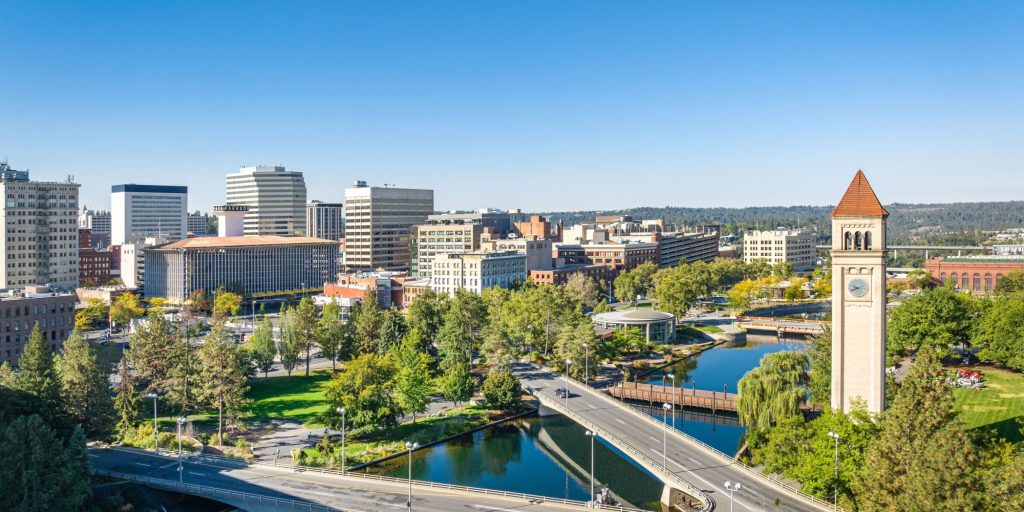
x=835 y=488
x=341 y=411
x=732 y=488
x=664 y=438
x=673 y=377
x=156 y=439
x=410 y=446
x=592 y=436
x=181 y=422
x=568 y=362
x=586 y=364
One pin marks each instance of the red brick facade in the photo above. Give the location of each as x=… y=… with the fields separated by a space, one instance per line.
x=977 y=274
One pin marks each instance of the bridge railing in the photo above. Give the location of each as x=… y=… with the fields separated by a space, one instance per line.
x=753 y=472
x=216 y=492
x=690 y=489
x=390 y=479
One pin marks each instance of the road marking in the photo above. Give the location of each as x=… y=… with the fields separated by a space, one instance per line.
x=143 y=464
x=620 y=421
x=493 y=509
x=196 y=474
x=652 y=438
x=93 y=455
x=702 y=479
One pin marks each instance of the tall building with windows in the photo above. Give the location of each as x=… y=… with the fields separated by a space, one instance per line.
x=40 y=242
x=276 y=199
x=477 y=271
x=198 y=223
x=141 y=211
x=98 y=223
x=325 y=220
x=798 y=248
x=378 y=225
x=453 y=232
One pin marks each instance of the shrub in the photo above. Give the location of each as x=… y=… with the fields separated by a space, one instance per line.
x=502 y=390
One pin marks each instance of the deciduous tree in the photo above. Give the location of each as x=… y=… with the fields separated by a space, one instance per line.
x=773 y=391
x=1000 y=330
x=501 y=389
x=939 y=317
x=413 y=382
x=457 y=384
x=226 y=304
x=365 y=388
x=261 y=347
x=289 y=345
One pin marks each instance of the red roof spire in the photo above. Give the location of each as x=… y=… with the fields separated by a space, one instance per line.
x=859 y=200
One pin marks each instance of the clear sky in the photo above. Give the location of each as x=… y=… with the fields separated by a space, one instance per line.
x=541 y=105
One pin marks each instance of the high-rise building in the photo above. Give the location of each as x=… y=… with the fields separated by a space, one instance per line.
x=325 y=220
x=198 y=224
x=378 y=225
x=453 y=232
x=141 y=211
x=477 y=271
x=98 y=223
x=798 y=248
x=276 y=199
x=40 y=242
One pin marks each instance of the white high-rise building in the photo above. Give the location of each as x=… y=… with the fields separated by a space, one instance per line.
x=477 y=271
x=798 y=248
x=325 y=220
x=276 y=199
x=378 y=221
x=40 y=242
x=141 y=211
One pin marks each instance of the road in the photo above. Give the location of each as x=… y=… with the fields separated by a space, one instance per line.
x=700 y=467
x=349 y=492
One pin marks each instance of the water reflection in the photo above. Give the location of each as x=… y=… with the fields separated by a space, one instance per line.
x=548 y=456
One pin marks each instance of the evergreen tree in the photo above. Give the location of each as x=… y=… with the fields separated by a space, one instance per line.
x=413 y=383
x=126 y=402
x=392 y=329
x=7 y=375
x=85 y=388
x=426 y=314
x=183 y=370
x=78 y=468
x=223 y=376
x=37 y=374
x=576 y=344
x=498 y=347
x=35 y=472
x=922 y=459
x=153 y=354
x=366 y=322
x=261 y=346
x=453 y=343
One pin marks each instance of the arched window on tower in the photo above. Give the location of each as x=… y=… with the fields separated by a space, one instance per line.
x=857 y=241
x=849 y=241
x=867 y=240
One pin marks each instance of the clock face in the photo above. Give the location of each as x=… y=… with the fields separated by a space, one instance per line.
x=858 y=287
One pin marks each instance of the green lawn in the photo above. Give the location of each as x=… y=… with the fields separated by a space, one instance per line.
x=710 y=329
x=999 y=405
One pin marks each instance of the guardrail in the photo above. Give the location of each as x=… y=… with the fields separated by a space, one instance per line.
x=533 y=498
x=216 y=492
x=712 y=450
x=706 y=501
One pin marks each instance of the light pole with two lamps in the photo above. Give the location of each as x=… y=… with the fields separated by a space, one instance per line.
x=410 y=446
x=341 y=411
x=568 y=362
x=586 y=364
x=835 y=489
x=664 y=438
x=156 y=439
x=732 y=488
x=673 y=377
x=592 y=435
x=181 y=470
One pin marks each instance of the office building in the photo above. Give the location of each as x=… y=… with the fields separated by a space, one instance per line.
x=538 y=227
x=259 y=266
x=131 y=261
x=325 y=220
x=276 y=199
x=98 y=223
x=40 y=242
x=198 y=224
x=141 y=211
x=537 y=251
x=615 y=257
x=93 y=265
x=798 y=248
x=19 y=312
x=378 y=225
x=476 y=271
x=454 y=232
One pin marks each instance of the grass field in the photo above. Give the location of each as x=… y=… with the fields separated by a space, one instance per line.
x=999 y=405
x=710 y=329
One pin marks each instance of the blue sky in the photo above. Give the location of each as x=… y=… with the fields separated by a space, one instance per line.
x=541 y=105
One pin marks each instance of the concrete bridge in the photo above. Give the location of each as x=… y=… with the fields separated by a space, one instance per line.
x=694 y=473
x=781 y=325
x=266 y=487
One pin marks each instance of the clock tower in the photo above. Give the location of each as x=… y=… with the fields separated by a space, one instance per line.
x=858 y=298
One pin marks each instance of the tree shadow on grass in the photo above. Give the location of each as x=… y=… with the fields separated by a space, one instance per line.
x=1011 y=429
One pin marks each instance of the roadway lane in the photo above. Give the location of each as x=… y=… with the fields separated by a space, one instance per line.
x=700 y=467
x=349 y=493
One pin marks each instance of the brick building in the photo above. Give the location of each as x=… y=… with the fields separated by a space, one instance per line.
x=19 y=312
x=93 y=265
x=561 y=275
x=615 y=257
x=978 y=274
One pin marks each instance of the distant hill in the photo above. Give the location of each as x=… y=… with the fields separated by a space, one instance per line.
x=952 y=223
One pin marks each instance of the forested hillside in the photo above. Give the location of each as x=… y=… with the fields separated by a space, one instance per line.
x=953 y=223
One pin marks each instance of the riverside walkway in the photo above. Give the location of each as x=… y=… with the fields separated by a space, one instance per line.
x=688 y=465
x=266 y=487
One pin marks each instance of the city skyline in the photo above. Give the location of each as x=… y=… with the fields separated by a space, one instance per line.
x=610 y=101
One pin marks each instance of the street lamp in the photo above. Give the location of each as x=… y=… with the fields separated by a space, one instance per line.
x=586 y=364
x=835 y=490
x=664 y=438
x=732 y=488
x=410 y=446
x=592 y=436
x=181 y=422
x=568 y=362
x=673 y=377
x=341 y=411
x=156 y=440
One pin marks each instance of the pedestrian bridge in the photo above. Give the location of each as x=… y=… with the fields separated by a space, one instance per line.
x=694 y=473
x=782 y=325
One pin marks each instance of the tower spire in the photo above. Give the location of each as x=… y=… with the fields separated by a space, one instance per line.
x=859 y=200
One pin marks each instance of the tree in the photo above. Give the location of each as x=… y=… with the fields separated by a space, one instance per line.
x=35 y=470
x=126 y=402
x=922 y=459
x=125 y=308
x=457 y=384
x=819 y=378
x=152 y=355
x=364 y=387
x=37 y=375
x=261 y=347
x=392 y=330
x=223 y=375
x=498 y=347
x=821 y=281
x=305 y=320
x=226 y=304
x=367 y=321
x=413 y=380
x=289 y=345
x=426 y=314
x=634 y=283
x=584 y=289
x=795 y=290
x=773 y=391
x=938 y=317
x=602 y=307
x=1000 y=331
x=570 y=346
x=334 y=335
x=94 y=312
x=1012 y=282
x=502 y=390
x=84 y=387
x=918 y=278
x=677 y=289
x=453 y=343
x=198 y=302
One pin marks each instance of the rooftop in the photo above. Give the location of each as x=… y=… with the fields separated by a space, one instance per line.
x=1008 y=258
x=243 y=241
x=634 y=316
x=859 y=200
